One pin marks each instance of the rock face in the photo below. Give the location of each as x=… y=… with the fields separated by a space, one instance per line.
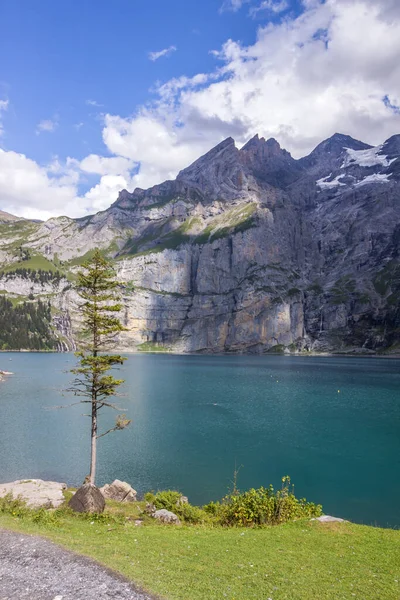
x=247 y=250
x=166 y=516
x=120 y=491
x=35 y=492
x=89 y=499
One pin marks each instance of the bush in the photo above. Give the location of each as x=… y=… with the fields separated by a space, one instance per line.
x=263 y=506
x=167 y=499
x=170 y=500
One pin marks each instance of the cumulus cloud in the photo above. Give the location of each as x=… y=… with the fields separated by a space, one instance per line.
x=166 y=52
x=33 y=191
x=115 y=165
x=48 y=125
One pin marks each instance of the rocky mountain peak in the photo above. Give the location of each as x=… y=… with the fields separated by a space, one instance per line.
x=268 y=162
x=335 y=146
x=217 y=173
x=328 y=155
x=224 y=152
x=5 y=217
x=262 y=147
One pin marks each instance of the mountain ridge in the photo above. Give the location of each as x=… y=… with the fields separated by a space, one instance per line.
x=246 y=250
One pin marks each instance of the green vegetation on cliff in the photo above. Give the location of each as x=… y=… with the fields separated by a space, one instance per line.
x=25 y=326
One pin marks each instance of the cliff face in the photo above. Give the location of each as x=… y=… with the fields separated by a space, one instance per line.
x=246 y=250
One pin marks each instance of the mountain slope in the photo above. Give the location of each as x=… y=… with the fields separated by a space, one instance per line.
x=245 y=251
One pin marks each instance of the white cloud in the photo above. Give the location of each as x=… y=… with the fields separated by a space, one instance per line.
x=3 y=108
x=48 y=125
x=233 y=5
x=166 y=52
x=274 y=6
x=106 y=191
x=94 y=103
x=115 y=165
x=28 y=190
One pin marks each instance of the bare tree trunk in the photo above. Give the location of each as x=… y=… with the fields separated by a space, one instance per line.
x=93 y=454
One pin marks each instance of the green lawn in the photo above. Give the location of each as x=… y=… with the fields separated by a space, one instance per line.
x=299 y=560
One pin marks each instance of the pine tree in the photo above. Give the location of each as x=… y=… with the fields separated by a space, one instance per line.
x=98 y=288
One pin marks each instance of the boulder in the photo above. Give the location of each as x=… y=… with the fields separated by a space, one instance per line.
x=166 y=516
x=87 y=499
x=35 y=492
x=120 y=491
x=329 y=519
x=182 y=500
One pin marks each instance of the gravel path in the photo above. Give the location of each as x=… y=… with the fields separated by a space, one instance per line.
x=32 y=568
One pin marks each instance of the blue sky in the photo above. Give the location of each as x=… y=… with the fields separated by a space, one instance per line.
x=99 y=95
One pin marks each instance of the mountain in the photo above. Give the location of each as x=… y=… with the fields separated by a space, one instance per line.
x=247 y=250
x=7 y=218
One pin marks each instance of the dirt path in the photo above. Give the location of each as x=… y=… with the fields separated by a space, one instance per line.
x=32 y=568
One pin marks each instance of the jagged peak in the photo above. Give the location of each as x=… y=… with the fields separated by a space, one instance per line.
x=259 y=142
x=223 y=149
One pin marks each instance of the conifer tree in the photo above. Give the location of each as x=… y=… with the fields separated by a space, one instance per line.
x=98 y=288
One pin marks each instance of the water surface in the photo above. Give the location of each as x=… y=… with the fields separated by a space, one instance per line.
x=332 y=424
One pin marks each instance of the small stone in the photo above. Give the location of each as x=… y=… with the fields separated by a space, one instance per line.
x=166 y=516
x=87 y=499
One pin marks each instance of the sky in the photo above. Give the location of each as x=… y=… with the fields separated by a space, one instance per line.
x=98 y=96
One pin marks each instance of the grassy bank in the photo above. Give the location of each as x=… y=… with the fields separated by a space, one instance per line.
x=293 y=561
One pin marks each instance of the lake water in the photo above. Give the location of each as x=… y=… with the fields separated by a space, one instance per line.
x=332 y=424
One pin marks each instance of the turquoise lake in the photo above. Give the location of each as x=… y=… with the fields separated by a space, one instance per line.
x=332 y=424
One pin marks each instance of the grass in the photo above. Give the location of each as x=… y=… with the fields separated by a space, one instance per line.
x=302 y=560
x=35 y=263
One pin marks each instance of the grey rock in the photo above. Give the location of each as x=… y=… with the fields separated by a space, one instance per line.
x=120 y=491
x=87 y=499
x=183 y=500
x=329 y=519
x=35 y=492
x=166 y=516
x=150 y=509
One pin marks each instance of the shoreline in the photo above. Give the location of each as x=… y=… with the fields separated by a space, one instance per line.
x=338 y=354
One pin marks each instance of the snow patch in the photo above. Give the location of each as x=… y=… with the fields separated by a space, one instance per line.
x=366 y=158
x=324 y=184
x=375 y=178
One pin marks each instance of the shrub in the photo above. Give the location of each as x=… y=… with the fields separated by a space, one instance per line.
x=263 y=506
x=167 y=499
x=170 y=500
